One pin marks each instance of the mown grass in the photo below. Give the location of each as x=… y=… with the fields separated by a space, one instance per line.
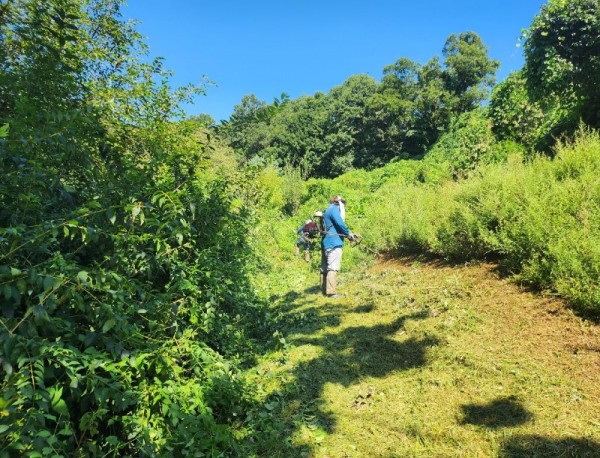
x=428 y=359
x=425 y=359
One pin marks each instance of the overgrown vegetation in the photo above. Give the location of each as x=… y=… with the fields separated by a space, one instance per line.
x=125 y=255
x=488 y=187
x=139 y=253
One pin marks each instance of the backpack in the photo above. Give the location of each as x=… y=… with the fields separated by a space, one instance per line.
x=311 y=229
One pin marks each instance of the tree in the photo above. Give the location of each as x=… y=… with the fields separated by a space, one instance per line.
x=389 y=116
x=247 y=108
x=469 y=72
x=362 y=123
x=562 y=52
x=415 y=103
x=202 y=120
x=345 y=129
x=245 y=132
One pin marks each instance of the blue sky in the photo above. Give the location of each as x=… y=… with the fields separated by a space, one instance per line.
x=267 y=47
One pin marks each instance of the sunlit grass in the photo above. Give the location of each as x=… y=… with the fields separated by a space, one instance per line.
x=422 y=359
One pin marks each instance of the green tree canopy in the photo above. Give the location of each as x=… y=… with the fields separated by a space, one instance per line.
x=562 y=51
x=363 y=123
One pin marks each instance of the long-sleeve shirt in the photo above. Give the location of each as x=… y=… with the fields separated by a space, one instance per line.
x=334 y=228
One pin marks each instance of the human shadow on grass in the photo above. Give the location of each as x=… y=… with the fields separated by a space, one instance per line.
x=308 y=320
x=353 y=354
x=291 y=298
x=532 y=446
x=364 y=308
x=315 y=289
x=302 y=314
x=500 y=413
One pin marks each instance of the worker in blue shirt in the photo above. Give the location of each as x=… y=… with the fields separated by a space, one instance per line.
x=335 y=230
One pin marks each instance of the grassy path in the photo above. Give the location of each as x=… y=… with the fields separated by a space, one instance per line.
x=425 y=359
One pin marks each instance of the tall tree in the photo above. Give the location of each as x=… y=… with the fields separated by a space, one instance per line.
x=469 y=73
x=345 y=132
x=389 y=116
x=562 y=51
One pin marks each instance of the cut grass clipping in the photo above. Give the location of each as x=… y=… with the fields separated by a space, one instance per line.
x=425 y=359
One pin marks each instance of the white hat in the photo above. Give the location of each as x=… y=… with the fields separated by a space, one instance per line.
x=308 y=221
x=318 y=214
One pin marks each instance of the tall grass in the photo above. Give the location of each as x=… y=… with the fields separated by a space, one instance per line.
x=540 y=218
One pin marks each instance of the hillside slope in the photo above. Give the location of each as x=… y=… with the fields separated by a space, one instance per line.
x=427 y=359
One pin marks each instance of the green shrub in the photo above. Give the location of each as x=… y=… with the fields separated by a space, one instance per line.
x=467 y=143
x=126 y=256
x=539 y=218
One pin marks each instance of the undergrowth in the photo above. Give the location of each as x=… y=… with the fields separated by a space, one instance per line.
x=537 y=217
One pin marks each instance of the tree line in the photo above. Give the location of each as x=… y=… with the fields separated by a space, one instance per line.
x=364 y=123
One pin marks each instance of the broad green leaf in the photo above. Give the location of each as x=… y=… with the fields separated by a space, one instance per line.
x=109 y=325
x=44 y=433
x=61 y=407
x=48 y=283
x=16 y=295
x=112 y=440
x=7 y=292
x=39 y=312
x=82 y=276
x=7 y=367
x=55 y=394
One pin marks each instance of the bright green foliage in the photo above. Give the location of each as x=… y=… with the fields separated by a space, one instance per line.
x=125 y=255
x=514 y=114
x=468 y=143
x=562 y=50
x=362 y=123
x=291 y=188
x=469 y=72
x=131 y=243
x=538 y=218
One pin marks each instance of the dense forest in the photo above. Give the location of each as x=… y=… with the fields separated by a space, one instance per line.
x=138 y=250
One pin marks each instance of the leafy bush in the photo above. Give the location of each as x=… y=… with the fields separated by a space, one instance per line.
x=125 y=259
x=468 y=143
x=538 y=218
x=514 y=114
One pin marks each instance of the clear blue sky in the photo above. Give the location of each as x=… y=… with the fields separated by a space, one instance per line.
x=266 y=47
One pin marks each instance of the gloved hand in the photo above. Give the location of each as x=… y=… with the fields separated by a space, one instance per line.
x=352 y=237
